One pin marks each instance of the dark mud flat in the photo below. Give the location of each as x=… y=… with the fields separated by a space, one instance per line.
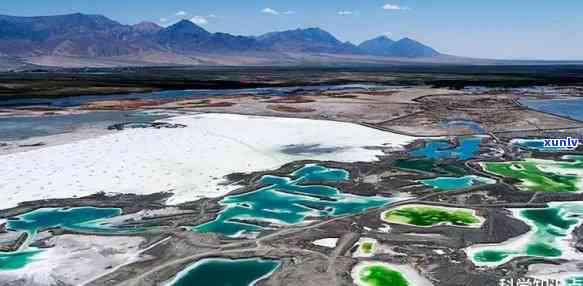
x=70 y=82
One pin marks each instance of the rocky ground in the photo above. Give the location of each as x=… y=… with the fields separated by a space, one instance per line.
x=167 y=246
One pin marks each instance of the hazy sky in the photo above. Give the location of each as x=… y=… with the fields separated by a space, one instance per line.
x=508 y=29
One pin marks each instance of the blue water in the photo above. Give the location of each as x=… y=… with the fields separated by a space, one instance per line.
x=222 y=272
x=440 y=149
x=289 y=201
x=88 y=219
x=453 y=183
x=17 y=260
x=185 y=94
x=18 y=128
x=571 y=108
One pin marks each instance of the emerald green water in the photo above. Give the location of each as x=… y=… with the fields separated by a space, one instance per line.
x=377 y=275
x=565 y=178
x=453 y=183
x=289 y=201
x=574 y=281
x=492 y=255
x=16 y=260
x=429 y=165
x=550 y=225
x=85 y=218
x=222 y=272
x=427 y=216
x=576 y=162
x=438 y=149
x=80 y=219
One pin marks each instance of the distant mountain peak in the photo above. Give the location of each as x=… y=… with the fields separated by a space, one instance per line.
x=408 y=40
x=380 y=46
x=186 y=25
x=299 y=33
x=313 y=40
x=93 y=36
x=403 y=48
x=183 y=33
x=147 y=27
x=312 y=29
x=383 y=37
x=409 y=48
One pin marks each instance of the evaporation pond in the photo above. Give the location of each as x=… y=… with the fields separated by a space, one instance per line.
x=289 y=200
x=428 y=216
x=19 y=128
x=538 y=175
x=563 y=107
x=551 y=229
x=16 y=260
x=430 y=165
x=223 y=272
x=80 y=219
x=468 y=148
x=453 y=183
x=380 y=275
x=83 y=218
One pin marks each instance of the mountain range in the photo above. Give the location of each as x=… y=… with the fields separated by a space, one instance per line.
x=93 y=40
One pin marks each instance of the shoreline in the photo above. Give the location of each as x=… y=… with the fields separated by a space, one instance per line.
x=182 y=158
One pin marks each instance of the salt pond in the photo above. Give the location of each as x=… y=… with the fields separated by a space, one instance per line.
x=83 y=218
x=428 y=216
x=19 y=128
x=439 y=149
x=550 y=236
x=429 y=165
x=542 y=175
x=88 y=219
x=372 y=273
x=453 y=183
x=240 y=272
x=145 y=161
x=563 y=107
x=289 y=201
x=17 y=260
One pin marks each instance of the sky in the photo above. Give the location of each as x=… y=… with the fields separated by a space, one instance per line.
x=497 y=29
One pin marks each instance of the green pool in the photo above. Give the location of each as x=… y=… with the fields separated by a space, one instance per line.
x=428 y=216
x=549 y=237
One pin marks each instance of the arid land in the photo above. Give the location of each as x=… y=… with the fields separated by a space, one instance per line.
x=421 y=106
